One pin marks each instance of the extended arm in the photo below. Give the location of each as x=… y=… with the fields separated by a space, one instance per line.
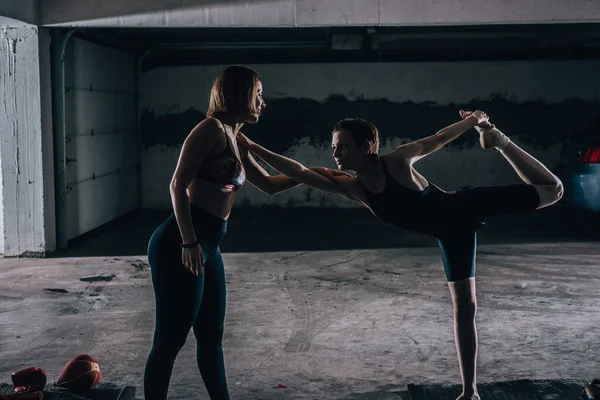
x=297 y=171
x=272 y=185
x=414 y=151
x=260 y=178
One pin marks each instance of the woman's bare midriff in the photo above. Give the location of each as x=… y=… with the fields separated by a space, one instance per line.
x=215 y=200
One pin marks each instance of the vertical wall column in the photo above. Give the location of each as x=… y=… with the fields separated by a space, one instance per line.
x=23 y=217
x=58 y=47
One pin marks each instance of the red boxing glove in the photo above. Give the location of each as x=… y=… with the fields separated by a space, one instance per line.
x=29 y=379
x=81 y=373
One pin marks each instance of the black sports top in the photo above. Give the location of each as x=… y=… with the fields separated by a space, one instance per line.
x=430 y=211
x=225 y=169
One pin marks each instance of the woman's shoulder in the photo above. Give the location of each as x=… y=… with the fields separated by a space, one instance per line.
x=210 y=129
x=396 y=161
x=211 y=125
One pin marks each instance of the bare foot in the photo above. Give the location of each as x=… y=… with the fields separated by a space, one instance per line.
x=491 y=137
x=472 y=397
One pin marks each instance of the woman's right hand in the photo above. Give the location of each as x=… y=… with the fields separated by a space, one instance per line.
x=193 y=259
x=481 y=119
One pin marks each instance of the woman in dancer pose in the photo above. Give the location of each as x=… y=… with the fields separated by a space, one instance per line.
x=187 y=269
x=395 y=192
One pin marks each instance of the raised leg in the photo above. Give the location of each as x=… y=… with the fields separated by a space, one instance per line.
x=533 y=172
x=529 y=169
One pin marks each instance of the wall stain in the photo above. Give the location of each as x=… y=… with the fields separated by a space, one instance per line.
x=289 y=120
x=169 y=129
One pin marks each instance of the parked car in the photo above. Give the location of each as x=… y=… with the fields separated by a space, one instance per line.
x=579 y=170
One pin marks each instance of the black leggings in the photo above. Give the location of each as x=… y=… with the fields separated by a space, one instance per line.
x=471 y=207
x=184 y=301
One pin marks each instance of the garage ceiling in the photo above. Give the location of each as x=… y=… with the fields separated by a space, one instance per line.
x=193 y=46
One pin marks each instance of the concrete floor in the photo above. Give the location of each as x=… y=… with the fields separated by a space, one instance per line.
x=341 y=307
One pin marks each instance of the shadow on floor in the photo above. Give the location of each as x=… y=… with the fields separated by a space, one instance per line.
x=275 y=229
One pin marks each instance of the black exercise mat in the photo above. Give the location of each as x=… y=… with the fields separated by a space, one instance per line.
x=102 y=391
x=524 y=389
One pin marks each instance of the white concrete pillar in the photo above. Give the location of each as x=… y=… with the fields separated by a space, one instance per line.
x=26 y=214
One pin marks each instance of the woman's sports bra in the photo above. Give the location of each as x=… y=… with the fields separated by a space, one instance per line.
x=225 y=169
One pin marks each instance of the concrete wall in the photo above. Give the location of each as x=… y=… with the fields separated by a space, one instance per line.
x=539 y=104
x=22 y=176
x=169 y=13
x=101 y=145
